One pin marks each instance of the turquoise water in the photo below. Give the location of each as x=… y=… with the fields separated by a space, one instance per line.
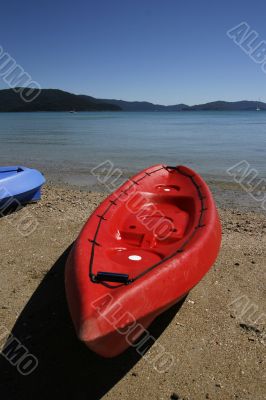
x=64 y=143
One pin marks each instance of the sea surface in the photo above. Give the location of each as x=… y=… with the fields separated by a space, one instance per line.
x=66 y=145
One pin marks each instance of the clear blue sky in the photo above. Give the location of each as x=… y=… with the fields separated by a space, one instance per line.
x=166 y=51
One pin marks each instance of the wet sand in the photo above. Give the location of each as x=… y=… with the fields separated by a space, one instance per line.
x=218 y=354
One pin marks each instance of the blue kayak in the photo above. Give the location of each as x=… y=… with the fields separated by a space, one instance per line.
x=19 y=185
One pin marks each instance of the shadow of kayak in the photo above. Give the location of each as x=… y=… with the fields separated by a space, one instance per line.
x=66 y=368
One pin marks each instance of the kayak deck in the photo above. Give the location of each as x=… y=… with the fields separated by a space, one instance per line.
x=140 y=228
x=9 y=172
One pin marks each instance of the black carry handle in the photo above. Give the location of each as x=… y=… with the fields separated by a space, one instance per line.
x=111 y=277
x=171 y=168
x=4 y=171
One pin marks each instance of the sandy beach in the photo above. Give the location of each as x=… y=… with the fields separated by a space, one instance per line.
x=217 y=345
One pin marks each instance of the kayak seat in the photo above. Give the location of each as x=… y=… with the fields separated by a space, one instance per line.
x=154 y=223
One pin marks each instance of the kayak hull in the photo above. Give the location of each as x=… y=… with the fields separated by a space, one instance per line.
x=19 y=186
x=119 y=280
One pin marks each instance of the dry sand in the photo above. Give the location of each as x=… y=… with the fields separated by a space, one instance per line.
x=217 y=354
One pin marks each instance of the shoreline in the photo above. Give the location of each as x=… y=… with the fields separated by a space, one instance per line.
x=226 y=192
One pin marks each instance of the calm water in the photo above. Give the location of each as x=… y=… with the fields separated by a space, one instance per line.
x=64 y=143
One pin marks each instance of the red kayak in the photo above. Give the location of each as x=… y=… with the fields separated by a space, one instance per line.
x=143 y=249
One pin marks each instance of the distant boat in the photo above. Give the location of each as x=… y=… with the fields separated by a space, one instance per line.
x=258 y=108
x=73 y=112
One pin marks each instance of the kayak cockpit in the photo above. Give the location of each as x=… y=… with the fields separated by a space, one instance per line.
x=147 y=230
